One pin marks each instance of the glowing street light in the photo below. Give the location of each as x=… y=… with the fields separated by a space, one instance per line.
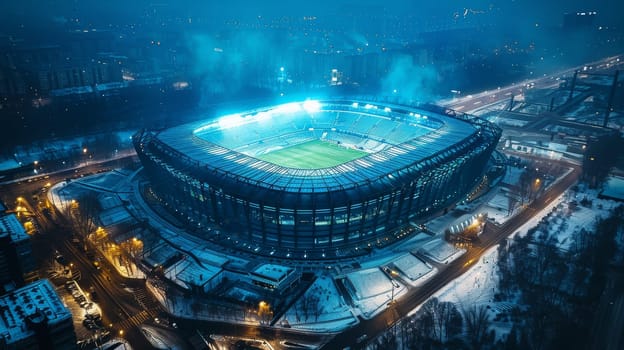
x=393 y=274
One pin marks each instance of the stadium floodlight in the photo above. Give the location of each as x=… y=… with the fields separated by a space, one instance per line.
x=287 y=108
x=311 y=106
x=262 y=116
x=204 y=128
x=230 y=121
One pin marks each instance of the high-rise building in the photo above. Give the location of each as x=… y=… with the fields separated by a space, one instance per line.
x=16 y=261
x=33 y=317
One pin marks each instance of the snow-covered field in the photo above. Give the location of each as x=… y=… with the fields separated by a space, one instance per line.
x=334 y=313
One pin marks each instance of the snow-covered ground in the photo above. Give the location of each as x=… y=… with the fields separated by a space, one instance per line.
x=334 y=313
x=8 y=164
x=479 y=285
x=116 y=344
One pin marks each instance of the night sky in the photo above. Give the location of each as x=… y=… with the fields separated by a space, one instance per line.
x=509 y=13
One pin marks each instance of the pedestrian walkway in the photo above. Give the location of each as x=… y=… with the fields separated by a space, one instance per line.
x=133 y=321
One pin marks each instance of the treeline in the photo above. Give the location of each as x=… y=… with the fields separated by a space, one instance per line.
x=554 y=295
x=557 y=292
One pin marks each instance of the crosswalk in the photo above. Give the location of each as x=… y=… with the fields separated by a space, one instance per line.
x=133 y=321
x=147 y=302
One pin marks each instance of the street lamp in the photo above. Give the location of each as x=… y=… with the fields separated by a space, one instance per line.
x=393 y=274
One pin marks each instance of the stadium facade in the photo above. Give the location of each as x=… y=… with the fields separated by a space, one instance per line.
x=412 y=162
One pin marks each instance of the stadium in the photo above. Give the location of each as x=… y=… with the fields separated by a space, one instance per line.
x=315 y=179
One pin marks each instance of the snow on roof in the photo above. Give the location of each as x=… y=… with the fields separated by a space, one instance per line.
x=272 y=272
x=104 y=181
x=186 y=271
x=8 y=164
x=412 y=267
x=111 y=86
x=198 y=247
x=369 y=283
x=9 y=225
x=21 y=303
x=441 y=251
x=243 y=295
x=614 y=188
x=159 y=255
x=114 y=216
x=71 y=91
x=108 y=201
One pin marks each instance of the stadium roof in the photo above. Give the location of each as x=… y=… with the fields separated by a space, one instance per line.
x=414 y=154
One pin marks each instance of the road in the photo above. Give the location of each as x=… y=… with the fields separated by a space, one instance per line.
x=116 y=295
x=473 y=102
x=491 y=236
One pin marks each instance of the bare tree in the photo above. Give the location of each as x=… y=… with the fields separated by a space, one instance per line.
x=84 y=214
x=265 y=313
x=442 y=320
x=477 y=325
x=310 y=305
x=512 y=202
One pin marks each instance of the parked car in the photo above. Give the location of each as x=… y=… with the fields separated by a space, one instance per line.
x=90 y=324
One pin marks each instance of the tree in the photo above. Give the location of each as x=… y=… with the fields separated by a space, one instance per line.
x=601 y=154
x=529 y=183
x=512 y=202
x=310 y=304
x=84 y=214
x=441 y=320
x=265 y=313
x=477 y=325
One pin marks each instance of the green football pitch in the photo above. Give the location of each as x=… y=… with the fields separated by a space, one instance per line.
x=314 y=154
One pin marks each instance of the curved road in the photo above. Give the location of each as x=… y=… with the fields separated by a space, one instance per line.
x=491 y=236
